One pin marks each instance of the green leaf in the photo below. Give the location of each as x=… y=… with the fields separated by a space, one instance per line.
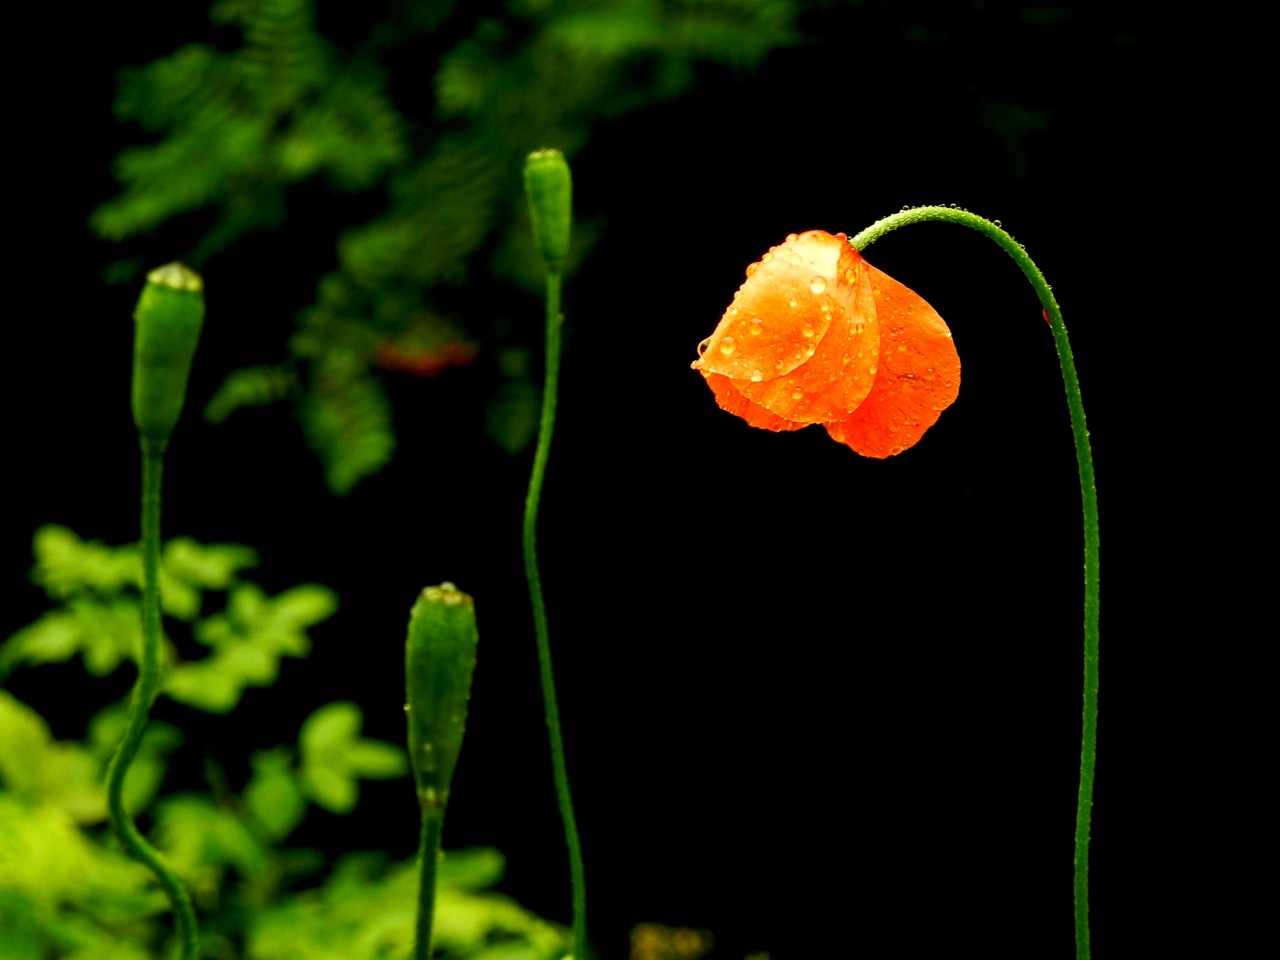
x=366 y=910
x=249 y=387
x=472 y=869
x=272 y=795
x=248 y=638
x=43 y=772
x=67 y=565
x=335 y=756
x=202 y=841
x=52 y=865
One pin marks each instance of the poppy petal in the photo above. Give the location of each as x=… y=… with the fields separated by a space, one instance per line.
x=918 y=375
x=800 y=338
x=731 y=400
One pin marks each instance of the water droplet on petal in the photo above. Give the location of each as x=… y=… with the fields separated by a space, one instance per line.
x=872 y=371
x=406 y=708
x=767 y=257
x=797 y=394
x=728 y=345
x=702 y=347
x=793 y=302
x=792 y=237
x=757 y=325
x=808 y=330
x=756 y=376
x=752 y=268
x=818 y=284
x=850 y=276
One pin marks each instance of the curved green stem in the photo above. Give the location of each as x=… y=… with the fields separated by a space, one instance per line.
x=428 y=860
x=1089 y=497
x=144 y=694
x=559 y=771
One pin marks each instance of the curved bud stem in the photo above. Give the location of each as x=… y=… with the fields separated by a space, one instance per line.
x=144 y=694
x=167 y=324
x=1089 y=498
x=548 y=191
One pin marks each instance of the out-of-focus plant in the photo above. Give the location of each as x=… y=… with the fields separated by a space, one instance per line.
x=235 y=131
x=66 y=888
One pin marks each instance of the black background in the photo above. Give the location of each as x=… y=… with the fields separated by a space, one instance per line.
x=814 y=703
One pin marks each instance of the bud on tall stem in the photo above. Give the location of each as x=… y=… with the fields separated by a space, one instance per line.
x=549 y=189
x=168 y=319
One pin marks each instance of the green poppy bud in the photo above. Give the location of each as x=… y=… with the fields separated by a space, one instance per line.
x=439 y=659
x=549 y=188
x=167 y=325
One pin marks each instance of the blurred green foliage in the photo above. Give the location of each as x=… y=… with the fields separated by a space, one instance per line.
x=233 y=132
x=66 y=888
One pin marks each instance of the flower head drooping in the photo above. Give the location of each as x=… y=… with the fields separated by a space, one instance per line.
x=818 y=335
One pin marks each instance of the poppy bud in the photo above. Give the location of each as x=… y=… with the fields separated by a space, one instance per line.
x=439 y=659
x=549 y=188
x=167 y=325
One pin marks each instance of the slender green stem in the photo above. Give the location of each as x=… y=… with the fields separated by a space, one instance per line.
x=144 y=694
x=1089 y=498
x=559 y=771
x=428 y=860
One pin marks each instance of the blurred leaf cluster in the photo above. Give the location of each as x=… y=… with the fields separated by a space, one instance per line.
x=66 y=888
x=234 y=134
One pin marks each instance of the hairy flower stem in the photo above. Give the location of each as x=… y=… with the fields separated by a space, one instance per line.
x=545 y=428
x=1089 y=498
x=428 y=861
x=144 y=694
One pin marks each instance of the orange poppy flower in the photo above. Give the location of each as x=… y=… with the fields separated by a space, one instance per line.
x=818 y=335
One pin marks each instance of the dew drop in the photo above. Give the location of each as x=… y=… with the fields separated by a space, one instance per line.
x=797 y=394
x=756 y=376
x=894 y=451
x=752 y=268
x=767 y=257
x=850 y=275
x=818 y=284
x=728 y=345
x=406 y=708
x=808 y=330
x=793 y=303
x=757 y=325
x=872 y=371
x=702 y=347
x=792 y=237
x=846 y=358
x=997 y=223
x=811 y=351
